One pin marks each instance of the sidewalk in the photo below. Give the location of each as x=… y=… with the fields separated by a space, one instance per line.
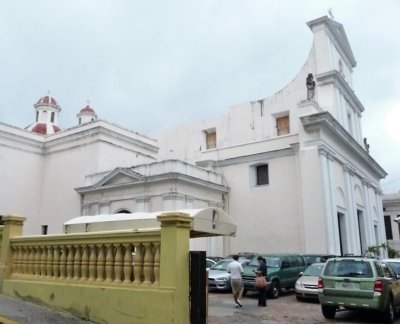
x=13 y=311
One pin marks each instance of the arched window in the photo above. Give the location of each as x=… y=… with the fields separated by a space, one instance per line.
x=123 y=211
x=52 y=117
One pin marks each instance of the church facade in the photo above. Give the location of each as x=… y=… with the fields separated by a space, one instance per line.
x=293 y=170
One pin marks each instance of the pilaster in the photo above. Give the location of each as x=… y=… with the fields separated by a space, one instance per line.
x=13 y=226
x=351 y=217
x=174 y=259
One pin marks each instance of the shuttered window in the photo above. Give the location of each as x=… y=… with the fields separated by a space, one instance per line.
x=282 y=125
x=211 y=140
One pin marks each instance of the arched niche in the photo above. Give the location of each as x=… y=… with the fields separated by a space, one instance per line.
x=340 y=198
x=358 y=197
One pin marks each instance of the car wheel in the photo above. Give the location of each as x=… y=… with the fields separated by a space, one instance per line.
x=274 y=290
x=329 y=312
x=388 y=315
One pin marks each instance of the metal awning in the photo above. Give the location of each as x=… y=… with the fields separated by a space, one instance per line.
x=206 y=222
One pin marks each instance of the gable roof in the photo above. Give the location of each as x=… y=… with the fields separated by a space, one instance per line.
x=117 y=174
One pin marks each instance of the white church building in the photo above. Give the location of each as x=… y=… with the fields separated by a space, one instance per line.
x=293 y=170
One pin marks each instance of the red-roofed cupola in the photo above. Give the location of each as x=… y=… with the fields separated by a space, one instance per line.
x=86 y=115
x=46 y=121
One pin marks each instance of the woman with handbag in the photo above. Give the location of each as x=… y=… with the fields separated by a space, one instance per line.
x=261 y=282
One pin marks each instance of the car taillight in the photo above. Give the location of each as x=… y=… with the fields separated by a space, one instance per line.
x=320 y=283
x=378 y=287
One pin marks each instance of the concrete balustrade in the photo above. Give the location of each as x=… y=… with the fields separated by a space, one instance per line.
x=108 y=277
x=94 y=258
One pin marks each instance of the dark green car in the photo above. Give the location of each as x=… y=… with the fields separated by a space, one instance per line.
x=282 y=272
x=359 y=283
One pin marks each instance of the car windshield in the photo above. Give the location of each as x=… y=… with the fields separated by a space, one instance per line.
x=272 y=262
x=313 y=271
x=395 y=266
x=221 y=265
x=311 y=259
x=348 y=268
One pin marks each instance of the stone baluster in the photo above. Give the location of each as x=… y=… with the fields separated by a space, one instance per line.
x=49 y=261
x=85 y=262
x=118 y=263
x=138 y=264
x=16 y=269
x=101 y=259
x=25 y=260
x=63 y=262
x=77 y=262
x=156 y=263
x=128 y=263
x=56 y=262
x=36 y=263
x=148 y=262
x=70 y=261
x=43 y=261
x=92 y=262
x=31 y=258
x=109 y=263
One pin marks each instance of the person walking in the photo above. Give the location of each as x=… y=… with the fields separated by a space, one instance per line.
x=262 y=271
x=236 y=270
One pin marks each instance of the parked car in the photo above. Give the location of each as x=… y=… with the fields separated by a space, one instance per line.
x=210 y=263
x=394 y=264
x=282 y=272
x=215 y=258
x=247 y=255
x=219 y=278
x=307 y=285
x=314 y=258
x=358 y=283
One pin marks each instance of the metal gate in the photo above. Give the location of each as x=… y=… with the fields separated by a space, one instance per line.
x=198 y=287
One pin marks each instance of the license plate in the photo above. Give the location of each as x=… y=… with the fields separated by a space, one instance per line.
x=347 y=285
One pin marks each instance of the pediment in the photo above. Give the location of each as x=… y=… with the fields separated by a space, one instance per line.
x=119 y=176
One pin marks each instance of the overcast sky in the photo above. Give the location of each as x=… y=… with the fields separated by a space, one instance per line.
x=150 y=64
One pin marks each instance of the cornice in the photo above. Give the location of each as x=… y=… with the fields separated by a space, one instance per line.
x=251 y=158
x=326 y=120
x=154 y=179
x=19 y=140
x=72 y=139
x=334 y=77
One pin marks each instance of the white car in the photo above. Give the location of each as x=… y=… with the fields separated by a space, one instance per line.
x=307 y=285
x=394 y=264
x=218 y=277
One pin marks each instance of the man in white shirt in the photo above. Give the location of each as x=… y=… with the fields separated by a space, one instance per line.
x=236 y=270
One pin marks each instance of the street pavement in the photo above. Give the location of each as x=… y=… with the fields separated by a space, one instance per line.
x=286 y=309
x=221 y=310
x=14 y=311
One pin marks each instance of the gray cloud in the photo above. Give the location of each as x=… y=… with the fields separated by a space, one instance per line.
x=153 y=64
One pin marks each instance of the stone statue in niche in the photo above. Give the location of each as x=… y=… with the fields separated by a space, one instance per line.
x=310 y=84
x=366 y=145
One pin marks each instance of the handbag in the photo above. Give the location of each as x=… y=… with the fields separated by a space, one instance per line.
x=260 y=282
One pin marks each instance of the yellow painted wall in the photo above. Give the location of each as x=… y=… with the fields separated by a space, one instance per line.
x=100 y=304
